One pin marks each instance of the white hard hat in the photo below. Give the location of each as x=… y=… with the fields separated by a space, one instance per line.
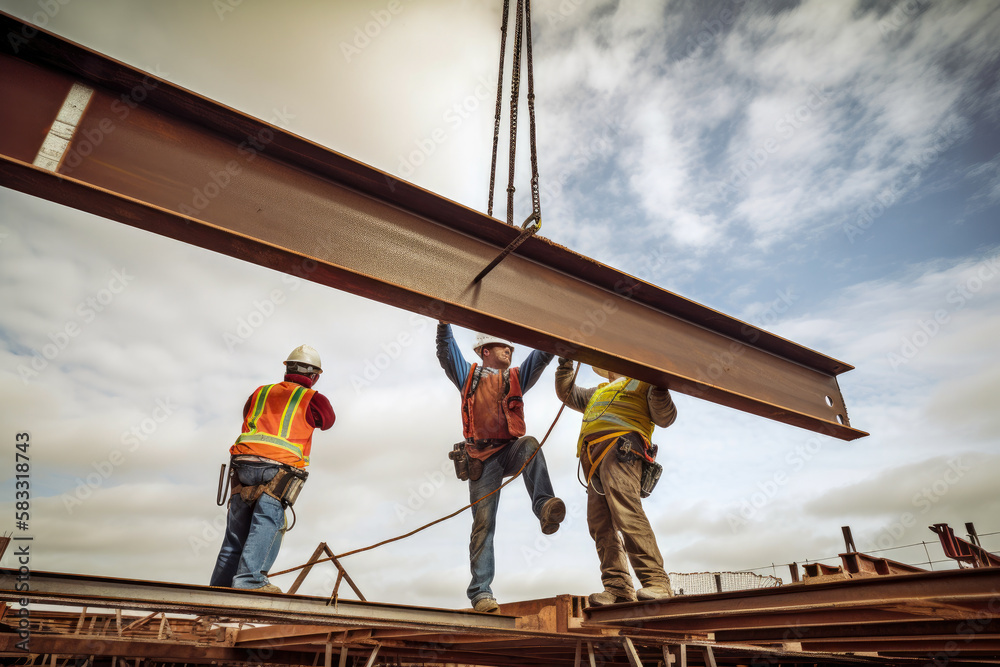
x=304 y=354
x=485 y=339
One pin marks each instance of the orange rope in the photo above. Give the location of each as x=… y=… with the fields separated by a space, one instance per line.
x=444 y=518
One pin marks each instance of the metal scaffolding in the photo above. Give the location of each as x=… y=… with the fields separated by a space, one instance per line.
x=860 y=618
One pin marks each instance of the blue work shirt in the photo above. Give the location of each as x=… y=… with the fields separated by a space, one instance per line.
x=457 y=368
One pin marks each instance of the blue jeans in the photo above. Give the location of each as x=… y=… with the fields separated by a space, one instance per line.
x=253 y=533
x=504 y=463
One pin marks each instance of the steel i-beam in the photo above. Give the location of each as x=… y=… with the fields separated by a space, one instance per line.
x=114 y=593
x=81 y=129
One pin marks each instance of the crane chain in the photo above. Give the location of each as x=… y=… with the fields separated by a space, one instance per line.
x=499 y=109
x=534 y=221
x=536 y=204
x=522 y=27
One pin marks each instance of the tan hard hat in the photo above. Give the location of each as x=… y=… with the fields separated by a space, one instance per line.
x=304 y=354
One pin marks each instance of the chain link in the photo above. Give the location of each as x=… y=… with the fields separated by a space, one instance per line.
x=515 y=93
x=536 y=204
x=499 y=109
x=522 y=27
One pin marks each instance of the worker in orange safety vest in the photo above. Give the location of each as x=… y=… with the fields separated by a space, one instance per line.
x=267 y=470
x=496 y=445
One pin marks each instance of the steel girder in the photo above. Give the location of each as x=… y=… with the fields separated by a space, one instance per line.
x=955 y=612
x=81 y=129
x=113 y=593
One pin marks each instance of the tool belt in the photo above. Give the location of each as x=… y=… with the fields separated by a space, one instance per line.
x=468 y=467
x=283 y=487
x=628 y=448
x=486 y=444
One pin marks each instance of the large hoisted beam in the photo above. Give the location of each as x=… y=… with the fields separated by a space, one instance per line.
x=81 y=129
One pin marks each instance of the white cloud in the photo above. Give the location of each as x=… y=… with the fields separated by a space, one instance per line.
x=638 y=132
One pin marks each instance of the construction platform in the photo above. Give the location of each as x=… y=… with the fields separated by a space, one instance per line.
x=832 y=618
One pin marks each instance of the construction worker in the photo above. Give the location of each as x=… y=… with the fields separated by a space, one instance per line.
x=614 y=443
x=496 y=444
x=268 y=468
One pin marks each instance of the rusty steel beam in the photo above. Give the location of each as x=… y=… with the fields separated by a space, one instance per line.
x=81 y=129
x=962 y=594
x=875 y=635
x=860 y=563
x=149 y=649
x=113 y=593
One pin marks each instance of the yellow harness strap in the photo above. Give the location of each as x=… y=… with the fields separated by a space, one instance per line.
x=603 y=438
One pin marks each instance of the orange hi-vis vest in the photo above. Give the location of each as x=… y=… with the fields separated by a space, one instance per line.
x=276 y=427
x=489 y=413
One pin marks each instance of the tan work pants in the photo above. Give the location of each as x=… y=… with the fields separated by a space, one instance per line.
x=619 y=510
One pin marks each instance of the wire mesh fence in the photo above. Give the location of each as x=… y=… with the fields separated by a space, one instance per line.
x=698 y=583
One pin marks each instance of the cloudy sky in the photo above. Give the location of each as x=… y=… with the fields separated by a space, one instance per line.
x=829 y=171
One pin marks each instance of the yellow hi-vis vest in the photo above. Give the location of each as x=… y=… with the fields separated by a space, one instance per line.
x=617 y=407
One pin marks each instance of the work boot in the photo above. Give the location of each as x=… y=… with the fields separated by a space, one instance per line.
x=553 y=512
x=656 y=592
x=486 y=604
x=606 y=597
x=266 y=588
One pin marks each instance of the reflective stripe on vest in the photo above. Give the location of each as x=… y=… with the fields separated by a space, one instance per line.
x=276 y=426
x=619 y=405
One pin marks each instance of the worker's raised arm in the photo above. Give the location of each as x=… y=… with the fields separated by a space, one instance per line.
x=532 y=368
x=450 y=356
x=662 y=410
x=574 y=397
